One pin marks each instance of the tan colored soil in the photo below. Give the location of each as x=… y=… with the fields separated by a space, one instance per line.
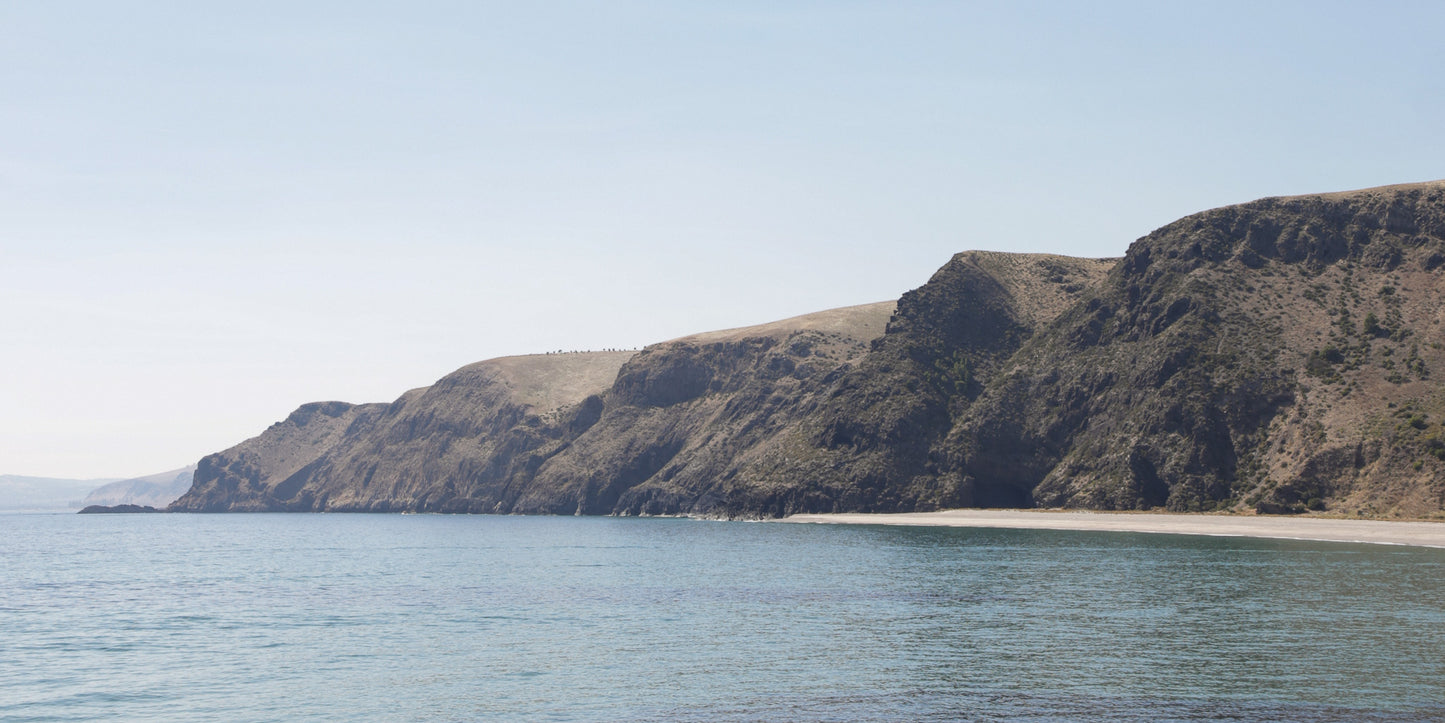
x=1421 y=534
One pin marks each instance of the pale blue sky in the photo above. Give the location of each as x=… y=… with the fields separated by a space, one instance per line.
x=209 y=216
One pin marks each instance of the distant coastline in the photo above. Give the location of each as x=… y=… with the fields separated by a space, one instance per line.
x=1376 y=532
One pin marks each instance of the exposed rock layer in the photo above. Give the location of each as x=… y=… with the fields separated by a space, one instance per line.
x=1276 y=355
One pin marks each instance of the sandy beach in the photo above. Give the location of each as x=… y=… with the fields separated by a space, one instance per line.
x=1380 y=532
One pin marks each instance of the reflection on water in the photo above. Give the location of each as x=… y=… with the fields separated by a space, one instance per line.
x=337 y=617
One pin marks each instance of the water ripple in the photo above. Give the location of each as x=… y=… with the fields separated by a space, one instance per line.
x=435 y=618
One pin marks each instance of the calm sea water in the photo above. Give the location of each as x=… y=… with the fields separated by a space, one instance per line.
x=454 y=618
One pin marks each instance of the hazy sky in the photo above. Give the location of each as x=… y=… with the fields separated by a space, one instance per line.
x=211 y=213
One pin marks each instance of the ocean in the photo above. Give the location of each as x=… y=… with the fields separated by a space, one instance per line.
x=268 y=617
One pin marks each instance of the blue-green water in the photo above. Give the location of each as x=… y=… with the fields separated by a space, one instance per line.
x=374 y=617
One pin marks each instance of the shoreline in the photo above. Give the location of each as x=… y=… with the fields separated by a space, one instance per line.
x=1315 y=529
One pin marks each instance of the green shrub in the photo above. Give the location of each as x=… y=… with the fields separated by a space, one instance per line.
x=1372 y=325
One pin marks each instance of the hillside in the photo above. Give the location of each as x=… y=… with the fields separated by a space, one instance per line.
x=1274 y=356
x=446 y=447
x=156 y=490
x=506 y=435
x=680 y=427
x=868 y=443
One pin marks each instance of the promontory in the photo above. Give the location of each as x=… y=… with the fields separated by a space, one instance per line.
x=1279 y=356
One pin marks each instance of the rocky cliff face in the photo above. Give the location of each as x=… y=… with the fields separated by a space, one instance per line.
x=871 y=443
x=1273 y=356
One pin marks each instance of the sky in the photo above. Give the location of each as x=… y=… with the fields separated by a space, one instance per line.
x=211 y=213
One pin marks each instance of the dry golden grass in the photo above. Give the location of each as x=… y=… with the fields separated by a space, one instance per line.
x=1375 y=191
x=550 y=381
x=1033 y=280
x=864 y=322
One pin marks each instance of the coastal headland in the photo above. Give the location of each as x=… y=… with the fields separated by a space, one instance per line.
x=1322 y=529
x=1278 y=357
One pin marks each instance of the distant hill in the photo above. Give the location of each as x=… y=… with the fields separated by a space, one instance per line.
x=21 y=493
x=157 y=490
x=1278 y=356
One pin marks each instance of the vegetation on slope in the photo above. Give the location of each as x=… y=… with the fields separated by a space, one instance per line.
x=1249 y=357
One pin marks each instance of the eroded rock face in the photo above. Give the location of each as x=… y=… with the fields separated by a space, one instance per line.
x=1276 y=355
x=1226 y=363
x=872 y=441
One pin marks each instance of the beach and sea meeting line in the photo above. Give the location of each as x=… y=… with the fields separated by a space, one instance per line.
x=1382 y=532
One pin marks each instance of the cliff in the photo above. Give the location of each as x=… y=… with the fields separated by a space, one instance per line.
x=1273 y=356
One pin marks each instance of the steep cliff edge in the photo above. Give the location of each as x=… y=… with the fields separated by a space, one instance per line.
x=869 y=442
x=1274 y=355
